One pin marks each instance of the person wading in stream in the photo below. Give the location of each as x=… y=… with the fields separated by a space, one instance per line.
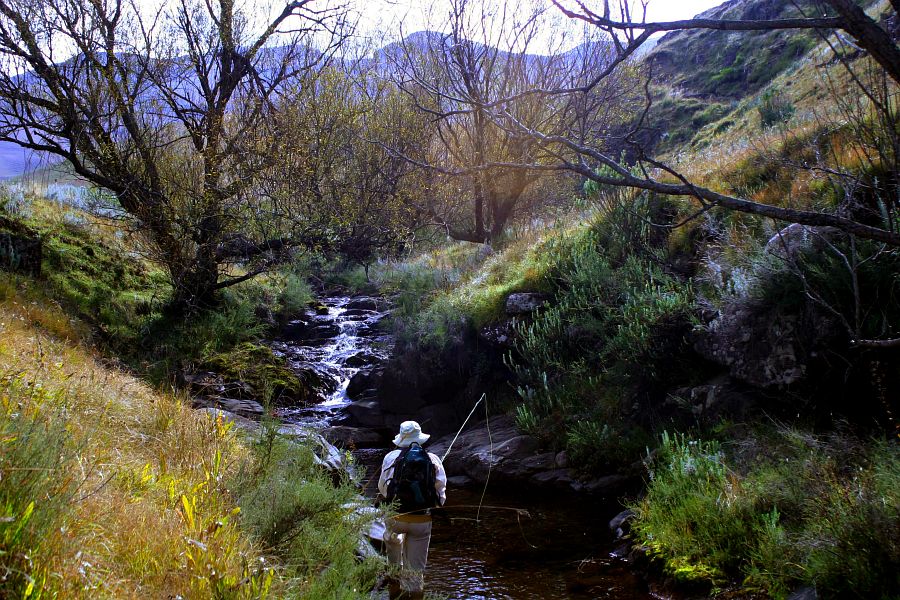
x=416 y=480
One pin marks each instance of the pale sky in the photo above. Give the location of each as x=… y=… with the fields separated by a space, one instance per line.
x=385 y=14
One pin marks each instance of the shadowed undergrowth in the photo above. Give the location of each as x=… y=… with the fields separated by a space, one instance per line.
x=777 y=510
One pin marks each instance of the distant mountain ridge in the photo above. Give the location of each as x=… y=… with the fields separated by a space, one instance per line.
x=16 y=161
x=731 y=65
x=710 y=66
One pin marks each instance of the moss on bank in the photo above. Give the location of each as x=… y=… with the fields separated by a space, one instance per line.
x=267 y=375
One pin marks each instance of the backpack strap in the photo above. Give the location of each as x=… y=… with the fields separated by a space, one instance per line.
x=392 y=491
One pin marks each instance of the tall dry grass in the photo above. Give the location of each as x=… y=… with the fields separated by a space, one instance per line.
x=144 y=512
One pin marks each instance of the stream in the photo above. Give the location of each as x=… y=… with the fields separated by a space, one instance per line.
x=551 y=547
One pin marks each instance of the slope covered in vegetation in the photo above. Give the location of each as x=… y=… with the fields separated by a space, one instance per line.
x=732 y=329
x=742 y=363
x=112 y=489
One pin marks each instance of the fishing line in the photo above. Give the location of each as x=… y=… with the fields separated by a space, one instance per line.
x=521 y=512
x=522 y=529
x=472 y=412
x=487 y=425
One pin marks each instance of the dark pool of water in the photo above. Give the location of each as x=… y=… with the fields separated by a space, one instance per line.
x=560 y=548
x=521 y=546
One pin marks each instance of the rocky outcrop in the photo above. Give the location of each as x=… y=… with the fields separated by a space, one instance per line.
x=524 y=302
x=500 y=335
x=764 y=346
x=499 y=451
x=365 y=413
x=21 y=249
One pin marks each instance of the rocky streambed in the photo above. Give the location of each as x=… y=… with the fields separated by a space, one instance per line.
x=519 y=523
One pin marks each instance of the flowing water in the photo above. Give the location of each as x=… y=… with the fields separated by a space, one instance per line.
x=517 y=546
x=337 y=344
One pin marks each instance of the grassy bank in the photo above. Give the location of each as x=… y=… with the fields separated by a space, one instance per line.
x=110 y=488
x=98 y=276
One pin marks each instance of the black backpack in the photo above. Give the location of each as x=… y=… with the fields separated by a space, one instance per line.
x=412 y=483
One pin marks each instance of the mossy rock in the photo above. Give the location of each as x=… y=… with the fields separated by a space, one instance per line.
x=318 y=308
x=267 y=375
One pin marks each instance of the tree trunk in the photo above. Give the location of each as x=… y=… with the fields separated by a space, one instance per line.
x=195 y=290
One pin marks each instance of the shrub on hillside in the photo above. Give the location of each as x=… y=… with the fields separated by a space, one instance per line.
x=790 y=510
x=607 y=338
x=774 y=108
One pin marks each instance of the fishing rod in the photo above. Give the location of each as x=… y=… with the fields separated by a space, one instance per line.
x=458 y=433
x=472 y=412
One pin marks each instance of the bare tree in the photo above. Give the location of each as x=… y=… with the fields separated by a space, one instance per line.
x=624 y=23
x=169 y=110
x=459 y=78
x=354 y=195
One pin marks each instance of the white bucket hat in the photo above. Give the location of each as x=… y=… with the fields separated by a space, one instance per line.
x=410 y=432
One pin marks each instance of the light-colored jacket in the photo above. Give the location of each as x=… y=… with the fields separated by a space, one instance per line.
x=387 y=471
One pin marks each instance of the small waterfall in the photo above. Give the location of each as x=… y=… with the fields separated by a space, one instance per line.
x=337 y=340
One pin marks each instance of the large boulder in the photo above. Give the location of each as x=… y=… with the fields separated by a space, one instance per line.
x=497 y=449
x=326 y=454
x=361 y=359
x=364 y=303
x=294 y=330
x=524 y=302
x=455 y=374
x=242 y=407
x=356 y=437
x=249 y=371
x=363 y=382
x=366 y=413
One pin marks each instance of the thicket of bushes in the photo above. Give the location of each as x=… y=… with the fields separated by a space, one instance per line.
x=613 y=336
x=777 y=512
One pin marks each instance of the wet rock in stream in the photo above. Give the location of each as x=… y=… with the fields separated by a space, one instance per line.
x=504 y=454
x=354 y=437
x=366 y=413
